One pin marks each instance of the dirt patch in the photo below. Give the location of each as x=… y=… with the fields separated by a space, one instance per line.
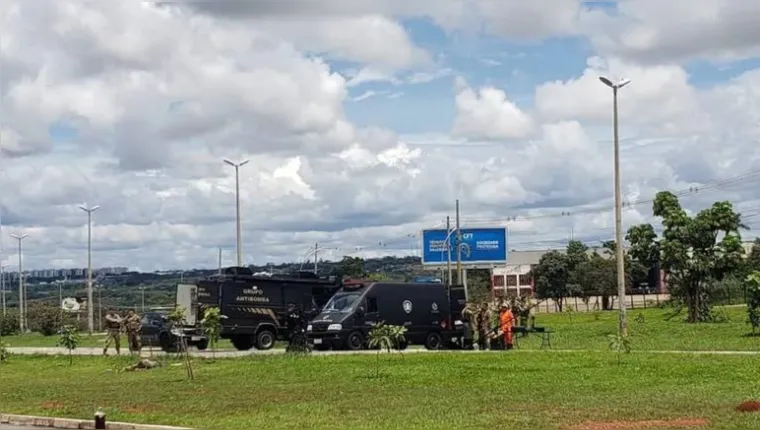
x=684 y=423
x=52 y=405
x=750 y=406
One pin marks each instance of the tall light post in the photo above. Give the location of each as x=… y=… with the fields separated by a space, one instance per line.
x=2 y=286
x=90 y=310
x=620 y=256
x=21 y=296
x=237 y=167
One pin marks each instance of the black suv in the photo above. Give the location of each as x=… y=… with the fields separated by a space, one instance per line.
x=155 y=332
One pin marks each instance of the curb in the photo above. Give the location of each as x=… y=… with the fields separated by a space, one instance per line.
x=68 y=423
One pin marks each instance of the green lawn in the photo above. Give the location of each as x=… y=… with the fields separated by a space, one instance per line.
x=488 y=390
x=581 y=330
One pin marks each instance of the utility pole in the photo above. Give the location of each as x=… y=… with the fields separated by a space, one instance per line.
x=619 y=252
x=237 y=167
x=448 y=250
x=90 y=310
x=60 y=299
x=316 y=258
x=220 y=261
x=21 y=295
x=2 y=287
x=100 y=310
x=459 y=248
x=143 y=298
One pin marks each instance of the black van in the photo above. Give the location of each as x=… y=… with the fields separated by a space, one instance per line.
x=430 y=316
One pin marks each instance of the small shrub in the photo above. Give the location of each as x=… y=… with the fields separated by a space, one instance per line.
x=639 y=319
x=47 y=319
x=4 y=353
x=753 y=300
x=383 y=336
x=9 y=323
x=212 y=326
x=620 y=344
x=69 y=339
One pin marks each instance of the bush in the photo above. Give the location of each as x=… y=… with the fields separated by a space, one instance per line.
x=46 y=319
x=9 y=323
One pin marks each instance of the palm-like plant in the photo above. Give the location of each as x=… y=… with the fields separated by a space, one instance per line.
x=69 y=339
x=385 y=337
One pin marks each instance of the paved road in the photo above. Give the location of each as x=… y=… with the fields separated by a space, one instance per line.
x=10 y=427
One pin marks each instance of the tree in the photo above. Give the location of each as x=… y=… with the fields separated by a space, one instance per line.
x=693 y=251
x=212 y=326
x=597 y=277
x=353 y=267
x=551 y=276
x=3 y=351
x=9 y=323
x=753 y=259
x=45 y=319
x=753 y=300
x=69 y=339
x=383 y=336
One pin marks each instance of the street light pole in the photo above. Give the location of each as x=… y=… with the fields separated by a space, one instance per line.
x=21 y=295
x=237 y=167
x=2 y=287
x=619 y=252
x=90 y=310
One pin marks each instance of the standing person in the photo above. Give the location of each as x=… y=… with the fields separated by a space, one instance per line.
x=506 y=322
x=113 y=327
x=485 y=324
x=132 y=325
x=469 y=320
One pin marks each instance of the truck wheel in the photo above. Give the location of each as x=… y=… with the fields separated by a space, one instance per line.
x=242 y=343
x=355 y=341
x=265 y=339
x=168 y=343
x=202 y=345
x=433 y=341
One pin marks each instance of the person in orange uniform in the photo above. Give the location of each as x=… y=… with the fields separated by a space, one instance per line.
x=506 y=322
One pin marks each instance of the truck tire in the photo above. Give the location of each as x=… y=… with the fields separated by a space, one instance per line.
x=168 y=342
x=242 y=343
x=265 y=339
x=355 y=341
x=433 y=341
x=202 y=345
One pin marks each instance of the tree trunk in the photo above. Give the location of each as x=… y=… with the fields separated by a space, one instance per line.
x=606 y=305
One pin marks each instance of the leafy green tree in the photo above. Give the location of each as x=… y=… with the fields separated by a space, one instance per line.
x=353 y=267
x=212 y=326
x=4 y=353
x=385 y=337
x=597 y=277
x=69 y=339
x=694 y=251
x=753 y=259
x=45 y=319
x=551 y=277
x=753 y=300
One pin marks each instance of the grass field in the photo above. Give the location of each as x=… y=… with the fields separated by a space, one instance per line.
x=584 y=330
x=488 y=390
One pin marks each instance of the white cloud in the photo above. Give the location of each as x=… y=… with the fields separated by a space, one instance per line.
x=160 y=95
x=653 y=31
x=488 y=115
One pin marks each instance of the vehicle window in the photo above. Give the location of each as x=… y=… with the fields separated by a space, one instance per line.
x=342 y=302
x=371 y=304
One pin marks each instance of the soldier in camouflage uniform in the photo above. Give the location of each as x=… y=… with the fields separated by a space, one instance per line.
x=469 y=318
x=113 y=328
x=485 y=323
x=132 y=325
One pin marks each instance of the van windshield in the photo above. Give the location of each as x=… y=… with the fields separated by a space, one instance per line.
x=342 y=302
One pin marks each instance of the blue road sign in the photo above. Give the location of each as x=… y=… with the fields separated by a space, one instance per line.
x=479 y=246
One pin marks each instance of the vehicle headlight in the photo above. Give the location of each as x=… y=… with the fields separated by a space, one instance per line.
x=335 y=327
x=308 y=327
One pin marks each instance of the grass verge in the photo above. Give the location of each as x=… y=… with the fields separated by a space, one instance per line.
x=516 y=390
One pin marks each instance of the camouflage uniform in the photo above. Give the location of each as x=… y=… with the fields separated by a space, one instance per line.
x=132 y=325
x=485 y=323
x=113 y=327
x=469 y=318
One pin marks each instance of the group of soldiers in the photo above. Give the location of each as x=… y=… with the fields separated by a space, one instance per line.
x=116 y=325
x=492 y=321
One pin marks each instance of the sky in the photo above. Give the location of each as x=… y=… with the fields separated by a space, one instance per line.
x=363 y=122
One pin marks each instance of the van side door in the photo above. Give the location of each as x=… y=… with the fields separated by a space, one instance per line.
x=372 y=312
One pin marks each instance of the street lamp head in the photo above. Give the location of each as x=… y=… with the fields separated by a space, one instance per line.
x=229 y=162
x=18 y=236
x=86 y=209
x=243 y=163
x=620 y=84
x=607 y=82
